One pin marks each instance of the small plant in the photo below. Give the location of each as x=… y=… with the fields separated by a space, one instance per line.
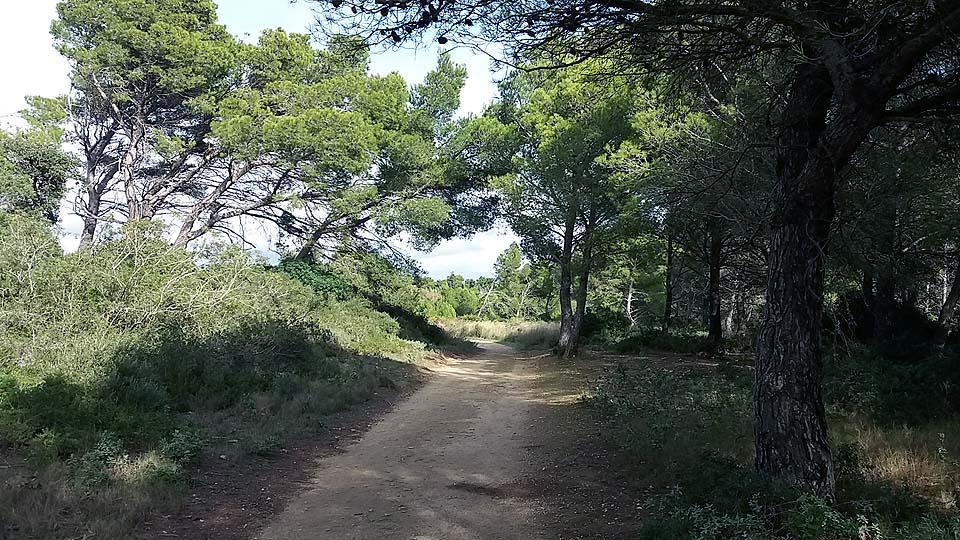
x=183 y=445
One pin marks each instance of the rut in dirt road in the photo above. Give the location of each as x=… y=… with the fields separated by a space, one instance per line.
x=452 y=462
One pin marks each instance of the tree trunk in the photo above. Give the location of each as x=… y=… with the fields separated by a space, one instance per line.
x=884 y=309
x=714 y=319
x=573 y=343
x=547 y=312
x=127 y=170
x=884 y=305
x=91 y=216
x=188 y=233
x=866 y=287
x=97 y=177
x=628 y=301
x=668 y=287
x=789 y=419
x=949 y=308
x=486 y=299
x=523 y=299
x=566 y=280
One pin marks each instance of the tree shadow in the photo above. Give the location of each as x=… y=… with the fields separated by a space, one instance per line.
x=155 y=404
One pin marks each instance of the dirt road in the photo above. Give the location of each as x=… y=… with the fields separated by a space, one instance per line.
x=459 y=460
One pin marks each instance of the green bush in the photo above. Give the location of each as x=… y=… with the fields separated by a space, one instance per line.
x=685 y=435
x=121 y=363
x=647 y=339
x=893 y=391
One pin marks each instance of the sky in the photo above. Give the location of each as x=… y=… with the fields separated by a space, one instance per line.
x=31 y=66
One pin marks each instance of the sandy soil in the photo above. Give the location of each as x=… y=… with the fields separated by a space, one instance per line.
x=494 y=445
x=457 y=460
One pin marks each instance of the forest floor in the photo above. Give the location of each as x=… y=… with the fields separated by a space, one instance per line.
x=495 y=444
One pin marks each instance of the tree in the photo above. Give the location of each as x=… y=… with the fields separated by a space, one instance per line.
x=34 y=169
x=513 y=283
x=180 y=123
x=460 y=294
x=629 y=280
x=570 y=199
x=563 y=199
x=136 y=67
x=712 y=192
x=845 y=68
x=897 y=227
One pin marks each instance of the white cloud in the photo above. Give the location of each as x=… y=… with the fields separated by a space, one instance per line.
x=469 y=257
x=30 y=64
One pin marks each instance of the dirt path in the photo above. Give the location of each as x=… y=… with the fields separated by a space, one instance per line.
x=463 y=458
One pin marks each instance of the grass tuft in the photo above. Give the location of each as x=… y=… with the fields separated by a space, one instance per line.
x=526 y=334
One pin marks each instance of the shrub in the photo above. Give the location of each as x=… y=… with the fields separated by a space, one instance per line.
x=120 y=364
x=685 y=435
x=646 y=339
x=891 y=391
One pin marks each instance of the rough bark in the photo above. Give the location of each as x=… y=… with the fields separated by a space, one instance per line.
x=714 y=318
x=949 y=308
x=91 y=215
x=566 y=280
x=789 y=419
x=583 y=281
x=668 y=288
x=136 y=133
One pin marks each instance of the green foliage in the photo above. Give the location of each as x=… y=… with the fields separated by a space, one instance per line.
x=367 y=281
x=517 y=291
x=513 y=281
x=182 y=121
x=439 y=95
x=121 y=47
x=894 y=392
x=683 y=431
x=119 y=363
x=317 y=276
x=34 y=169
x=651 y=339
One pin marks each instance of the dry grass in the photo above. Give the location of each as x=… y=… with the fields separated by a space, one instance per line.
x=529 y=334
x=684 y=433
x=49 y=504
x=923 y=459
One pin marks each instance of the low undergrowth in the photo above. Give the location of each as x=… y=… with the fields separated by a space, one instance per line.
x=121 y=365
x=640 y=340
x=685 y=436
x=525 y=334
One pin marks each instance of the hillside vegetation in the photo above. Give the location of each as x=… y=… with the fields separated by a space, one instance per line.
x=124 y=362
